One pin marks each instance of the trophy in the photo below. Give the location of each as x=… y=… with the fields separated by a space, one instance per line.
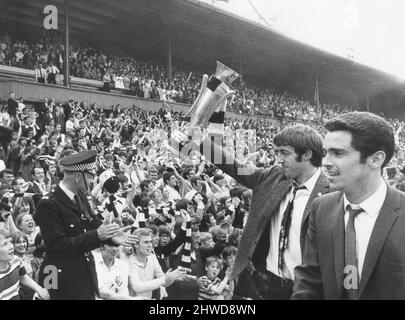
x=209 y=106
x=213 y=93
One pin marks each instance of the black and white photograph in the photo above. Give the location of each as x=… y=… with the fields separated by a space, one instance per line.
x=203 y=150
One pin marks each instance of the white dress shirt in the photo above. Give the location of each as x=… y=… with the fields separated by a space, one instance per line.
x=364 y=222
x=292 y=255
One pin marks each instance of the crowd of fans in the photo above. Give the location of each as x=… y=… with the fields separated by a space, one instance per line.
x=123 y=72
x=131 y=143
x=163 y=190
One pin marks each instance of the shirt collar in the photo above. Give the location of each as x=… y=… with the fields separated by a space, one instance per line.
x=310 y=183
x=98 y=259
x=372 y=205
x=69 y=193
x=140 y=263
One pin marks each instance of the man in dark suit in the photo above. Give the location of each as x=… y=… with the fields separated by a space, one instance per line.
x=38 y=185
x=354 y=245
x=273 y=237
x=71 y=230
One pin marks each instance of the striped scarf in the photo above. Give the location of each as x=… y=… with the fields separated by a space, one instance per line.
x=185 y=262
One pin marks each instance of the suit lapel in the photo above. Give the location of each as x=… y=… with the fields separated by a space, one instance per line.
x=338 y=228
x=382 y=227
x=283 y=188
x=321 y=187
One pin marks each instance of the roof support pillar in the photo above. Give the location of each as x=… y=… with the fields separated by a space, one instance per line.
x=368 y=103
x=67 y=45
x=169 y=55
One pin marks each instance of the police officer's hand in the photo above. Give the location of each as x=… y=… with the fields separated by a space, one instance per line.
x=107 y=231
x=122 y=237
x=131 y=240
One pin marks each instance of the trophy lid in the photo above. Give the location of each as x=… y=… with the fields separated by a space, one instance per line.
x=226 y=74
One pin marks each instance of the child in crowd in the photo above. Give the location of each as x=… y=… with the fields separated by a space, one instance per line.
x=211 y=286
x=13 y=273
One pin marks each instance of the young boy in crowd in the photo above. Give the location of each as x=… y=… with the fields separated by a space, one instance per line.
x=211 y=286
x=12 y=273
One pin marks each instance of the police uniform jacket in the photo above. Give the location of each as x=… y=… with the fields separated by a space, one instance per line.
x=70 y=234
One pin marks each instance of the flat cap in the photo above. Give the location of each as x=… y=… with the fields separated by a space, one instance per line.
x=82 y=161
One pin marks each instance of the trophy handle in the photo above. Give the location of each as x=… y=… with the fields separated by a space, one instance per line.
x=197 y=101
x=225 y=97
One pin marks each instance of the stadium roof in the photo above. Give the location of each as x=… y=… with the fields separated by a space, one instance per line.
x=201 y=34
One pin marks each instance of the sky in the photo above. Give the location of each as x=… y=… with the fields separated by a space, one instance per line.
x=371 y=32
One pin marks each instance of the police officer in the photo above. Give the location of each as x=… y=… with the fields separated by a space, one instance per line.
x=71 y=230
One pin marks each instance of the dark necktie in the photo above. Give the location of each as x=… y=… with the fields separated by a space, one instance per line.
x=83 y=212
x=351 y=263
x=285 y=228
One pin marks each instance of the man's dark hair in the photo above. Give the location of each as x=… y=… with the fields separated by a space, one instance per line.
x=186 y=173
x=302 y=138
x=144 y=184
x=182 y=204
x=218 y=177
x=166 y=177
x=194 y=180
x=370 y=133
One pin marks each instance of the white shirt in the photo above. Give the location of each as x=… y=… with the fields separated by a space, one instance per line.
x=114 y=280
x=40 y=73
x=364 y=222
x=145 y=277
x=41 y=186
x=292 y=255
x=53 y=69
x=173 y=194
x=69 y=193
x=69 y=125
